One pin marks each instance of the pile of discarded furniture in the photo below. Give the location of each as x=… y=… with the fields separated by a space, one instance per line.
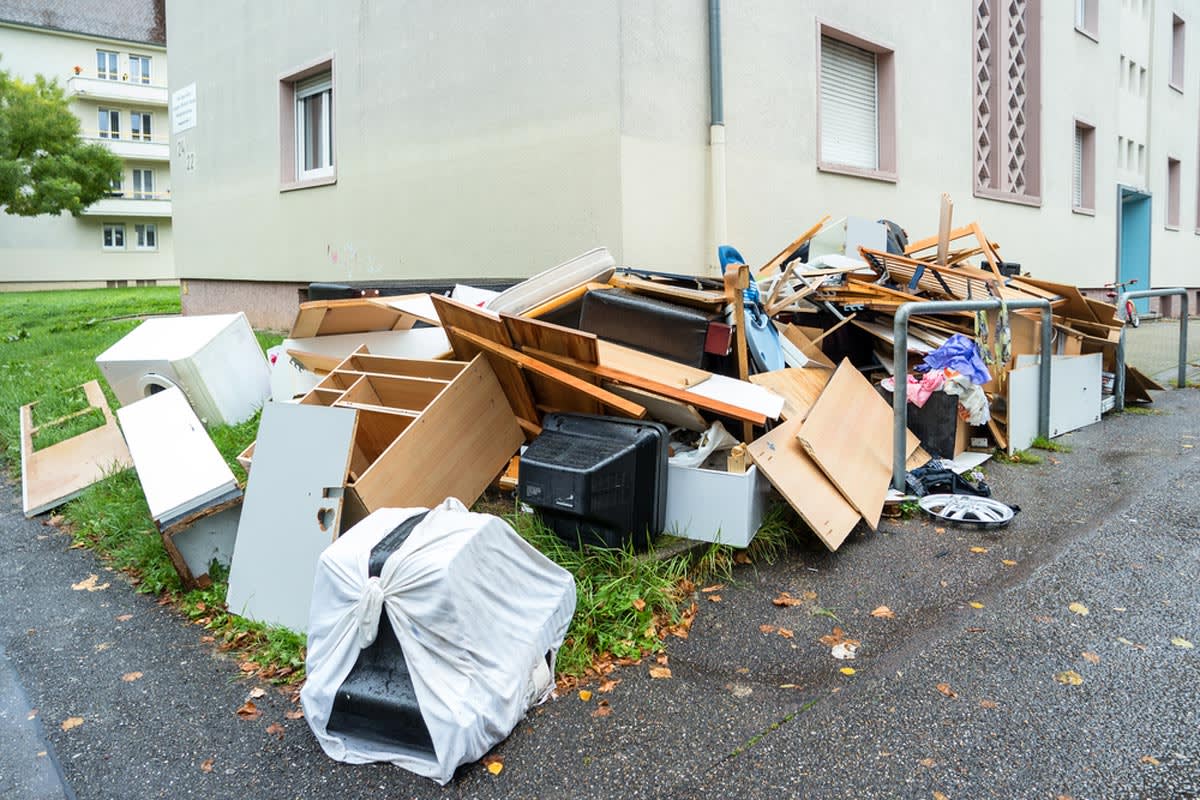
x=619 y=403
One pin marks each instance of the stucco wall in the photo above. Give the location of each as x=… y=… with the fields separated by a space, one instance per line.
x=476 y=138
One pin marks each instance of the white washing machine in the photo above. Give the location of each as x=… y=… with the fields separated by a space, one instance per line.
x=213 y=359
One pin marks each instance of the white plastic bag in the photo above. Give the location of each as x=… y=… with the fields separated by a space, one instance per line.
x=714 y=439
x=475 y=609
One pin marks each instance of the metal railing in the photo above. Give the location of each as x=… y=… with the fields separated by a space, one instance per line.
x=1119 y=378
x=900 y=349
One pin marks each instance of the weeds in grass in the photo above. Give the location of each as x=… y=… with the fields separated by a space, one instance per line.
x=1019 y=457
x=67 y=429
x=1042 y=443
x=1142 y=411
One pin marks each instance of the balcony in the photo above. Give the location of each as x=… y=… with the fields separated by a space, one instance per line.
x=155 y=148
x=131 y=204
x=120 y=91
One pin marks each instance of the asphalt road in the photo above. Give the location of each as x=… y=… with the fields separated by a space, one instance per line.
x=1112 y=526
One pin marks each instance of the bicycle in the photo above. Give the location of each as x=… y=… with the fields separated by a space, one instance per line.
x=1131 y=315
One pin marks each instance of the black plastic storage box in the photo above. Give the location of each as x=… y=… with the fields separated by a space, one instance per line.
x=598 y=480
x=377 y=701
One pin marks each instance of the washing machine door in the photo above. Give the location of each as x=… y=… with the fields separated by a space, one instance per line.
x=155 y=382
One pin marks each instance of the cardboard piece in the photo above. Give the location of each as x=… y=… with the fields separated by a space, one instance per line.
x=55 y=474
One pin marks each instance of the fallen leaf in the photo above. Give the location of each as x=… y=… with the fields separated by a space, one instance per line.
x=988 y=704
x=257 y=692
x=1151 y=760
x=939 y=796
x=945 y=689
x=979 y=549
x=939 y=530
x=847 y=670
x=1069 y=677
x=1179 y=641
x=716 y=587
x=767 y=628
x=130 y=677
x=883 y=612
x=89 y=584
x=1008 y=562
x=607 y=685
x=686 y=586
x=974 y=604
x=603 y=709
x=494 y=764
x=660 y=672
x=248 y=666
x=786 y=599
x=32 y=714
x=714 y=598
x=248 y=710
x=275 y=729
x=844 y=651
x=927 y=762
x=206 y=765
x=296 y=714
x=663 y=660
x=100 y=648
x=639 y=604
x=1078 y=608
x=125 y=618
x=585 y=695
x=836 y=637
x=1043 y=619
x=976 y=630
x=742 y=557
x=71 y=722
x=208 y=639
x=786 y=633
x=1090 y=657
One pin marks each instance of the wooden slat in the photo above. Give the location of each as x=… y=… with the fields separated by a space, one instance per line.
x=356 y=315
x=931 y=241
x=794 y=335
x=803 y=485
x=551 y=338
x=707 y=299
x=775 y=262
x=635 y=362
x=540 y=367
x=461 y=317
x=848 y=433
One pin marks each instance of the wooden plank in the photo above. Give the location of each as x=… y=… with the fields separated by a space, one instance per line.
x=455 y=448
x=661 y=370
x=663 y=409
x=291 y=511
x=775 y=262
x=800 y=388
x=55 y=474
x=943 y=243
x=363 y=361
x=848 y=433
x=806 y=346
x=741 y=282
x=535 y=366
x=707 y=299
x=418 y=306
x=355 y=315
x=1074 y=304
x=461 y=317
x=803 y=485
x=638 y=380
x=931 y=241
x=551 y=338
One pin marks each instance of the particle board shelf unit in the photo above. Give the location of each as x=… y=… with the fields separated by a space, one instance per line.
x=427 y=430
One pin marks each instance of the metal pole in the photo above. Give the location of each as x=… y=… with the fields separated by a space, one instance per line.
x=900 y=353
x=1119 y=377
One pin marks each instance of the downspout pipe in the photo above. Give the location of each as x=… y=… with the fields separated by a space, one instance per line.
x=716 y=133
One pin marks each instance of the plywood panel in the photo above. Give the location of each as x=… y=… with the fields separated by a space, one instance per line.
x=291 y=510
x=803 y=485
x=800 y=388
x=848 y=433
x=551 y=338
x=660 y=370
x=53 y=475
x=333 y=317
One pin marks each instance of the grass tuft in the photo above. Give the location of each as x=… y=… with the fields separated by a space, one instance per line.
x=1018 y=457
x=1143 y=411
x=1042 y=443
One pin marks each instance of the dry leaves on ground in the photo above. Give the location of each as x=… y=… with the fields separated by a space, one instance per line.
x=978 y=549
x=837 y=636
x=130 y=677
x=883 y=612
x=847 y=670
x=248 y=710
x=1008 y=562
x=786 y=599
x=1179 y=641
x=1078 y=608
x=660 y=672
x=945 y=689
x=939 y=796
x=493 y=764
x=928 y=763
x=1090 y=657
x=296 y=714
x=716 y=587
x=1151 y=760
x=988 y=704
x=607 y=685
x=742 y=557
x=974 y=604
x=125 y=618
x=206 y=765
x=257 y=692
x=89 y=584
x=786 y=633
x=603 y=709
x=71 y=722
x=1068 y=677
x=275 y=729
x=768 y=629
x=714 y=598
x=639 y=604
x=585 y=695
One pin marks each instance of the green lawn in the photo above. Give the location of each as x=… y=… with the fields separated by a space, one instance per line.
x=48 y=345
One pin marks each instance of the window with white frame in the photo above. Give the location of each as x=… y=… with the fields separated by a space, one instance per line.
x=146 y=236
x=139 y=125
x=116 y=187
x=1083 y=184
x=139 y=69
x=114 y=236
x=1173 y=192
x=314 y=127
x=106 y=65
x=143 y=184
x=1178 y=38
x=856 y=106
x=109 y=123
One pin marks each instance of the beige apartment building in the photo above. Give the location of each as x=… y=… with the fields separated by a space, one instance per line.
x=375 y=141
x=111 y=59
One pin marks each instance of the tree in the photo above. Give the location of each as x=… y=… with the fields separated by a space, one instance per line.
x=45 y=168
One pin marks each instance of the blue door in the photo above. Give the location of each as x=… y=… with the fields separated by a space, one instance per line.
x=1134 y=211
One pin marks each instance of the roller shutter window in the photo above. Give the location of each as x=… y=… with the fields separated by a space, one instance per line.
x=849 y=105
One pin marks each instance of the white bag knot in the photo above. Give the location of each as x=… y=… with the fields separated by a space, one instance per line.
x=367 y=612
